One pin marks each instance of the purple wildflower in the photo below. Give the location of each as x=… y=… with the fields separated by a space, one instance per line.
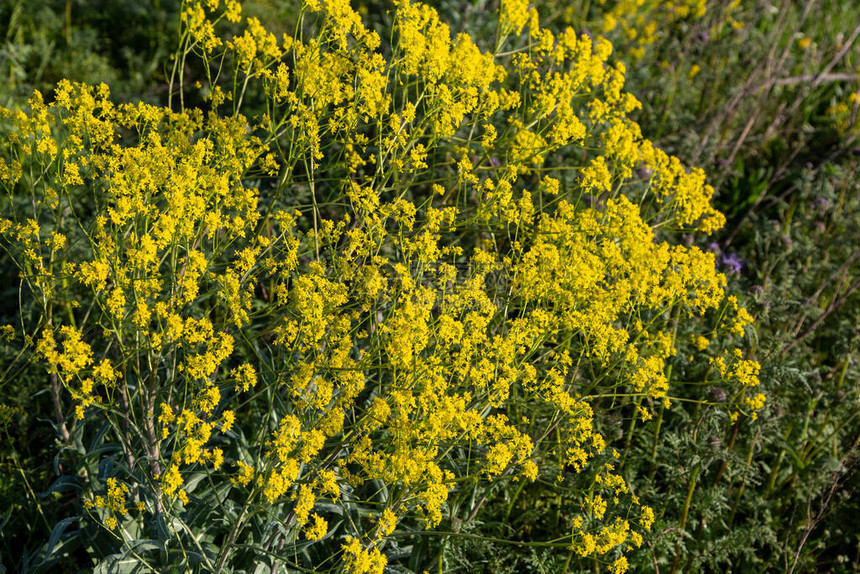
x=733 y=262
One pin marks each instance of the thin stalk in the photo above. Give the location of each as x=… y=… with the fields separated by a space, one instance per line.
x=725 y=462
x=691 y=488
x=656 y=442
x=744 y=477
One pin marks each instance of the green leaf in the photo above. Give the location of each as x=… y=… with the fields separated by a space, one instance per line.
x=56 y=533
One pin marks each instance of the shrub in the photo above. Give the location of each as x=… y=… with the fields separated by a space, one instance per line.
x=422 y=268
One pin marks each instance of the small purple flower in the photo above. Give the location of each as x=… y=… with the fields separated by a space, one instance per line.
x=714 y=246
x=733 y=262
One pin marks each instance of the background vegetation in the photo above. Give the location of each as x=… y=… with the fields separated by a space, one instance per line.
x=764 y=97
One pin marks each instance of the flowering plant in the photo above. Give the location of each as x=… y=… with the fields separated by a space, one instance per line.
x=289 y=334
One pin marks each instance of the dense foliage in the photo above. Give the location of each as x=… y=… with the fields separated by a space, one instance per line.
x=393 y=287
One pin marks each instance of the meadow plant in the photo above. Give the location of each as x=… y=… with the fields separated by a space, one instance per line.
x=801 y=476
x=46 y=41
x=763 y=95
x=636 y=26
x=422 y=266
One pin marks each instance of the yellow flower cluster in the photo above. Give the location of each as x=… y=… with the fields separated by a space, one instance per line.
x=422 y=296
x=360 y=560
x=114 y=502
x=636 y=24
x=844 y=112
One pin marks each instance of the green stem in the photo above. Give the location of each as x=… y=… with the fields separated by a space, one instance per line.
x=231 y=538
x=657 y=427
x=725 y=462
x=744 y=477
x=691 y=487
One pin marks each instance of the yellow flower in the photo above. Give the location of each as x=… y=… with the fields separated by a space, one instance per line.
x=620 y=566
x=245 y=474
x=387 y=523
x=514 y=15
x=172 y=480
x=317 y=529
x=359 y=560
x=305 y=500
